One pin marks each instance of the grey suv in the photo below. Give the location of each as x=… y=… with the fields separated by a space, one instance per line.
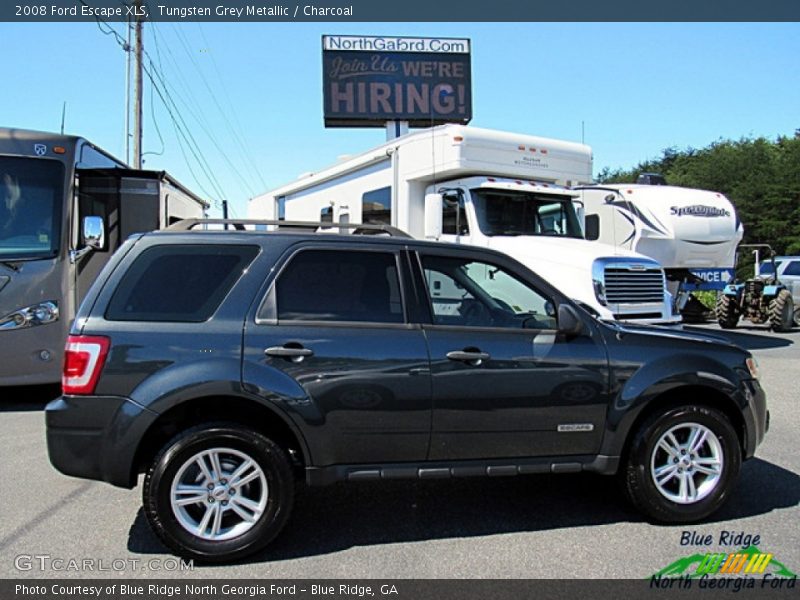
x=230 y=365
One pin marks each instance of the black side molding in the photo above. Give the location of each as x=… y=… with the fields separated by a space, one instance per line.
x=606 y=465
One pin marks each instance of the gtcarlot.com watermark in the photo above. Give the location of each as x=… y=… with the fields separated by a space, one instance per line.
x=47 y=562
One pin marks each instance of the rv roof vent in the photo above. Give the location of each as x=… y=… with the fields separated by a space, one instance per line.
x=651 y=179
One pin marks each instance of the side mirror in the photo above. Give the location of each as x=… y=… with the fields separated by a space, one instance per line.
x=94 y=232
x=569 y=323
x=433 y=216
x=451 y=197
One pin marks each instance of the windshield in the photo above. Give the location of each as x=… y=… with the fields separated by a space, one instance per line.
x=30 y=207
x=501 y=212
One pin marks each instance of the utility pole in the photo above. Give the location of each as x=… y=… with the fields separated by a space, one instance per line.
x=128 y=92
x=137 y=90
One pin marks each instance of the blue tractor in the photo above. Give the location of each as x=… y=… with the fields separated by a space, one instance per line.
x=762 y=299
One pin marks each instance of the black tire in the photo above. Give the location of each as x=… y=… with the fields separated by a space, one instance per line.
x=781 y=311
x=727 y=311
x=277 y=496
x=639 y=482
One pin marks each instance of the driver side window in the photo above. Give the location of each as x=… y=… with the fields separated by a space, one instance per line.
x=477 y=294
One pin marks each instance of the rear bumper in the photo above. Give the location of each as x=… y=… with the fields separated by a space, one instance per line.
x=96 y=437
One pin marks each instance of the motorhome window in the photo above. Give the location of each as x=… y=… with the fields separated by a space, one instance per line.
x=376 y=206
x=31 y=199
x=282 y=208
x=476 y=294
x=150 y=291
x=592 y=224
x=92 y=159
x=326 y=215
x=520 y=213
x=454 y=223
x=331 y=285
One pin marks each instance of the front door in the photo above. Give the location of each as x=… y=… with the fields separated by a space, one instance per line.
x=335 y=323
x=506 y=384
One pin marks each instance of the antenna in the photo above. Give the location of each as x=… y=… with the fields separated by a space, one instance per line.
x=583 y=132
x=63 y=116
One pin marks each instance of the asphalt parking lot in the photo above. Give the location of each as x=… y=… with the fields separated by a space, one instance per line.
x=530 y=527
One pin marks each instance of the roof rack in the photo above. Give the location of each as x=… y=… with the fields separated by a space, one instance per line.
x=304 y=226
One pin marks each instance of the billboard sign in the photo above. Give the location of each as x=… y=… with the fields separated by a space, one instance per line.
x=369 y=80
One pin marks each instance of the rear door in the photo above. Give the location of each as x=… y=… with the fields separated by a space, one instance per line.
x=506 y=384
x=334 y=321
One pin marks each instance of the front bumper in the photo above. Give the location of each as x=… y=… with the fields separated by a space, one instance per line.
x=96 y=437
x=32 y=356
x=756 y=416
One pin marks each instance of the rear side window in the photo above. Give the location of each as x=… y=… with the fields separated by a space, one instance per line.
x=184 y=284
x=330 y=285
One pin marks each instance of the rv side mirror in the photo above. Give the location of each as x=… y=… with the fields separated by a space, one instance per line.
x=433 y=216
x=569 y=323
x=94 y=232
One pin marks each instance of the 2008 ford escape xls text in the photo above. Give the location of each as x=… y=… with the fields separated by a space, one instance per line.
x=228 y=365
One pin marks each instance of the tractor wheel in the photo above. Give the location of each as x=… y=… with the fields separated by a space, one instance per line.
x=727 y=312
x=781 y=311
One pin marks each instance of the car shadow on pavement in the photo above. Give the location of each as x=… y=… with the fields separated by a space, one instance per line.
x=754 y=338
x=326 y=520
x=27 y=398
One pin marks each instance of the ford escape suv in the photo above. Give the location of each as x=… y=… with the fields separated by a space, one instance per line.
x=228 y=366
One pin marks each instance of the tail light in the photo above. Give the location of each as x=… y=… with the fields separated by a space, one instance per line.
x=84 y=358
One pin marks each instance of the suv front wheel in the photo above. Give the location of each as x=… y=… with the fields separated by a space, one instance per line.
x=682 y=464
x=218 y=492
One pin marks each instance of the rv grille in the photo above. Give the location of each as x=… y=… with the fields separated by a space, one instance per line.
x=633 y=286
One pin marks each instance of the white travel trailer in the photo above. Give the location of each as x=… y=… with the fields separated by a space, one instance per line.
x=692 y=233
x=488 y=188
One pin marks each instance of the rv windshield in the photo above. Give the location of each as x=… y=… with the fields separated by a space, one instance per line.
x=30 y=207
x=502 y=212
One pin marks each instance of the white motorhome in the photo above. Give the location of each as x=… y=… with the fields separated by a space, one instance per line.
x=488 y=188
x=692 y=233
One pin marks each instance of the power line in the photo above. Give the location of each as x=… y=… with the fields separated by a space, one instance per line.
x=238 y=134
x=185 y=44
x=187 y=134
x=200 y=118
x=180 y=134
x=181 y=128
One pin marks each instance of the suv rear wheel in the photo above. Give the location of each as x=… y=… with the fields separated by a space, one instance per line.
x=218 y=492
x=682 y=464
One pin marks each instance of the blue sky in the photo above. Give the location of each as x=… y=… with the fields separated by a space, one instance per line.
x=251 y=93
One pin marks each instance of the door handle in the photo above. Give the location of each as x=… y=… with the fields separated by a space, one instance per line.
x=293 y=352
x=472 y=357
